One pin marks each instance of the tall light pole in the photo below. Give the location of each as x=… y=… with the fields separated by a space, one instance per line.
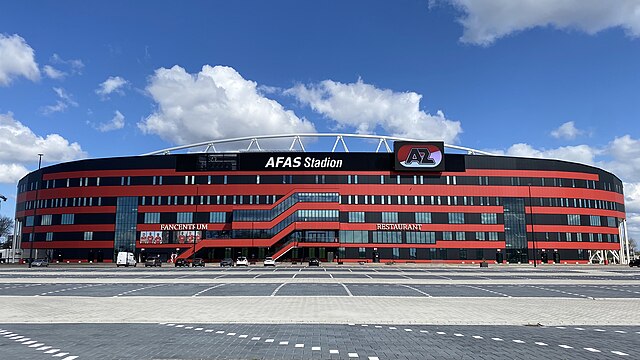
x=35 y=209
x=533 y=234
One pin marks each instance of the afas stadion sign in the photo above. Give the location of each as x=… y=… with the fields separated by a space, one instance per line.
x=418 y=156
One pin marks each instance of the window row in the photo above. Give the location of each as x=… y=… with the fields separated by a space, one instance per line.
x=320 y=179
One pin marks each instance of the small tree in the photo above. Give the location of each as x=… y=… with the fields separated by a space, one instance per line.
x=6 y=226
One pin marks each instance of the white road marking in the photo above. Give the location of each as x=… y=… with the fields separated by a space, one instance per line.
x=315 y=348
x=29 y=342
x=458 y=335
x=392 y=328
x=441 y=333
x=219 y=332
x=209 y=330
x=283 y=343
x=52 y=351
x=134 y=290
x=334 y=352
x=373 y=358
x=346 y=289
x=408 y=330
x=518 y=341
x=231 y=334
x=417 y=290
x=243 y=336
x=207 y=289
x=566 y=346
x=353 y=355
x=36 y=345
x=599 y=330
x=497 y=339
x=269 y=340
x=489 y=291
x=621 y=332
x=541 y=343
x=620 y=353
x=70 y=358
x=255 y=338
x=592 y=350
x=277 y=289
x=299 y=345
x=44 y=348
x=60 y=354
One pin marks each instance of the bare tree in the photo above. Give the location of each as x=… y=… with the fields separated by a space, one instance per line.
x=6 y=225
x=633 y=246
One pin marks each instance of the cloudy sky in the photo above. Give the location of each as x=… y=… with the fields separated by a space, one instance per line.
x=546 y=78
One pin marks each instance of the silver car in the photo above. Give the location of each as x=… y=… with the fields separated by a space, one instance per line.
x=40 y=263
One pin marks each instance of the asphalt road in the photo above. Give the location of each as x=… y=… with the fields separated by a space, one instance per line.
x=331 y=312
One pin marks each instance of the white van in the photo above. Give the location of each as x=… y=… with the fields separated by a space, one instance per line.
x=125 y=259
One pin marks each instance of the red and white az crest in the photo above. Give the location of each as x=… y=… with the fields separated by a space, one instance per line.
x=417 y=156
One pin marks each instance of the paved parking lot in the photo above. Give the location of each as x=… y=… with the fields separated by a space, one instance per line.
x=331 y=312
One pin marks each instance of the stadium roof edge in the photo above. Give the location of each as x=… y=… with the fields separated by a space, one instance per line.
x=254 y=143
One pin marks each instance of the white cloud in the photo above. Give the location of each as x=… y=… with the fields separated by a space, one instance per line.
x=364 y=107
x=117 y=122
x=63 y=102
x=53 y=73
x=75 y=66
x=21 y=147
x=17 y=58
x=621 y=156
x=215 y=103
x=114 y=84
x=488 y=20
x=567 y=131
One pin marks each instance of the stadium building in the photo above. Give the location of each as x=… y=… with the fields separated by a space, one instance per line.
x=408 y=202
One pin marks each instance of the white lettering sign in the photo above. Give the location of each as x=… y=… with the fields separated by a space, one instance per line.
x=180 y=227
x=415 y=227
x=298 y=161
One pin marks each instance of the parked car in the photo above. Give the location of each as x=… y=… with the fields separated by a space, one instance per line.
x=242 y=261
x=40 y=263
x=268 y=261
x=226 y=262
x=153 y=261
x=181 y=263
x=197 y=262
x=314 y=262
x=634 y=262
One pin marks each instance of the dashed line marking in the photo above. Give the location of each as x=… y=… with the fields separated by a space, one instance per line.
x=299 y=345
x=592 y=350
x=497 y=339
x=541 y=343
x=518 y=341
x=620 y=353
x=334 y=352
x=135 y=290
x=316 y=348
x=566 y=346
x=487 y=290
x=283 y=343
x=353 y=355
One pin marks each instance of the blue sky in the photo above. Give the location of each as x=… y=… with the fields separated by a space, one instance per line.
x=549 y=78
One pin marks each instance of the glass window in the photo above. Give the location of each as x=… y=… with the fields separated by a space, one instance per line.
x=447 y=235
x=362 y=252
x=396 y=253
x=45 y=220
x=413 y=253
x=49 y=236
x=356 y=216
x=480 y=235
x=152 y=218
x=389 y=217
x=456 y=218
x=489 y=218
x=594 y=220
x=184 y=217
x=88 y=235
x=423 y=217
x=67 y=219
x=217 y=217
x=573 y=219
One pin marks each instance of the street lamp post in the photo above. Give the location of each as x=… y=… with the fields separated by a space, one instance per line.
x=35 y=209
x=533 y=234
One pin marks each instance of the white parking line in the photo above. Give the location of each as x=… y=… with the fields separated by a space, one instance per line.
x=207 y=289
x=566 y=346
x=592 y=350
x=277 y=289
x=489 y=291
x=353 y=355
x=417 y=290
x=346 y=289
